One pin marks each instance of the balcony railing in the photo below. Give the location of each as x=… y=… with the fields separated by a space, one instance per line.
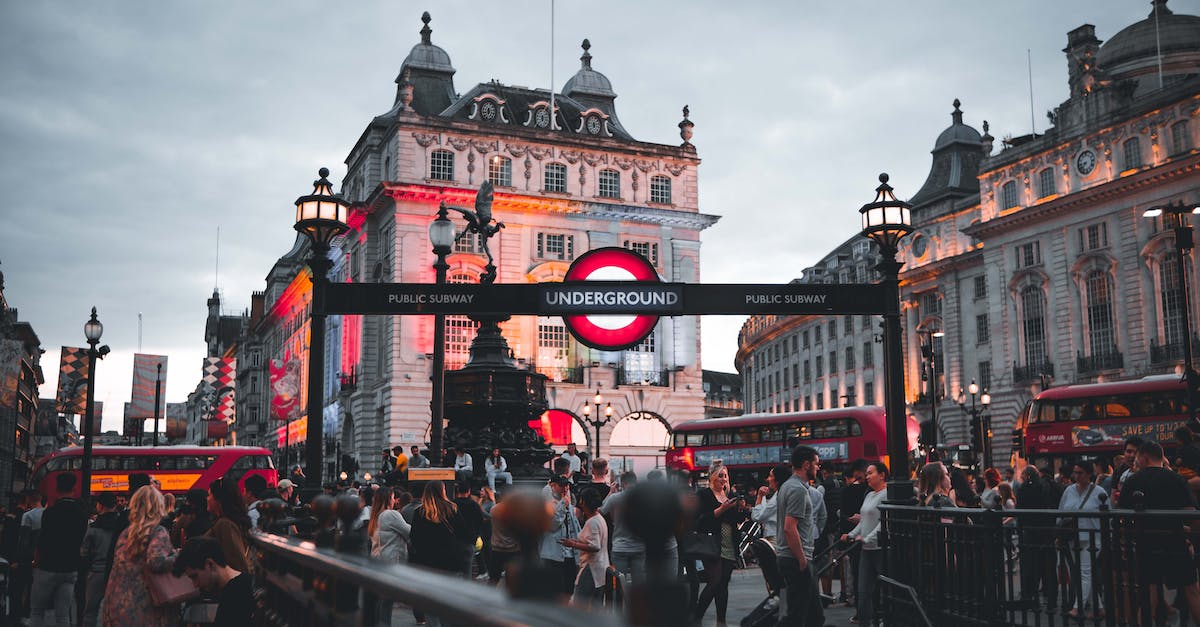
x=1031 y=372
x=659 y=378
x=1163 y=354
x=1090 y=364
x=558 y=374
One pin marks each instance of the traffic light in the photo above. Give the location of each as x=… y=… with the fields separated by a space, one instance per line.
x=976 y=434
x=1018 y=440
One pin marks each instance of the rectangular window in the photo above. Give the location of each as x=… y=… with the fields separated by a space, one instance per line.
x=795 y=374
x=817 y=334
x=468 y=243
x=931 y=305
x=610 y=184
x=500 y=171
x=985 y=374
x=441 y=165
x=820 y=400
x=866 y=323
x=807 y=372
x=1008 y=195
x=1133 y=153
x=982 y=329
x=1093 y=237
x=820 y=366
x=1046 y=186
x=555 y=246
x=847 y=325
x=868 y=355
x=869 y=393
x=1181 y=140
x=980 y=287
x=795 y=345
x=649 y=250
x=849 y=358
x=832 y=362
x=804 y=339
x=660 y=190
x=555 y=177
x=833 y=329
x=1029 y=255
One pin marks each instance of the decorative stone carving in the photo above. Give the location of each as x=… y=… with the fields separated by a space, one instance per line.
x=685 y=128
x=675 y=168
x=516 y=150
x=582 y=175
x=622 y=162
x=540 y=153
x=644 y=165
x=458 y=144
x=484 y=147
x=593 y=159
x=572 y=156
x=426 y=140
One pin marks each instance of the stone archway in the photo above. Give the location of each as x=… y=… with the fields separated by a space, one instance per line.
x=560 y=427
x=638 y=442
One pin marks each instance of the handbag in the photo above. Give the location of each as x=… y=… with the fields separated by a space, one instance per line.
x=698 y=545
x=167 y=589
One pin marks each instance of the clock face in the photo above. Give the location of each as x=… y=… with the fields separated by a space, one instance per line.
x=488 y=110
x=593 y=125
x=920 y=245
x=542 y=118
x=1086 y=162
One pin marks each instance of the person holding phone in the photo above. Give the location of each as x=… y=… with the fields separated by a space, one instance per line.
x=720 y=513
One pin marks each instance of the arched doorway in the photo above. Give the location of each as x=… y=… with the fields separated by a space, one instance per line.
x=638 y=442
x=560 y=428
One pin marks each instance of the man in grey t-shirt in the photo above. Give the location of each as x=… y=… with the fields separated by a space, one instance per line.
x=628 y=551
x=796 y=543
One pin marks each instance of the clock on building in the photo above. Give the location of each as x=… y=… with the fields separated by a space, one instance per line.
x=542 y=118
x=593 y=124
x=1086 y=162
x=488 y=110
x=920 y=245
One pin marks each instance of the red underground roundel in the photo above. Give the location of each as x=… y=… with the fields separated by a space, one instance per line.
x=611 y=332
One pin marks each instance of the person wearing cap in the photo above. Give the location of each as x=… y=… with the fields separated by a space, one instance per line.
x=563 y=525
x=286 y=490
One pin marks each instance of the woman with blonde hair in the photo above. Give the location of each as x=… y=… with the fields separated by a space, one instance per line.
x=438 y=535
x=144 y=546
x=719 y=513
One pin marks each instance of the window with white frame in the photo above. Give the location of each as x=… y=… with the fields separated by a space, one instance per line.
x=649 y=250
x=1099 y=313
x=555 y=246
x=460 y=330
x=554 y=179
x=1008 y=195
x=1171 y=289
x=1046 y=183
x=500 y=171
x=468 y=243
x=441 y=165
x=849 y=358
x=1033 y=325
x=610 y=184
x=1133 y=153
x=1181 y=138
x=869 y=392
x=1093 y=237
x=1029 y=255
x=640 y=363
x=660 y=190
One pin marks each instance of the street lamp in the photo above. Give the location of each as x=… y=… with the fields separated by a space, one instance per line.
x=930 y=376
x=981 y=428
x=441 y=235
x=92 y=330
x=1175 y=216
x=886 y=221
x=597 y=422
x=321 y=216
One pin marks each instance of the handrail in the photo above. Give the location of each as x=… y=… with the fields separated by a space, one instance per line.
x=1059 y=513
x=451 y=598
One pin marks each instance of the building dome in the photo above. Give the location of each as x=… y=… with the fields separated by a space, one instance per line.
x=957 y=131
x=956 y=155
x=588 y=81
x=425 y=55
x=1138 y=44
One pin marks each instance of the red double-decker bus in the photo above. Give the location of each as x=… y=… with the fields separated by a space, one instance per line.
x=751 y=444
x=1093 y=420
x=177 y=468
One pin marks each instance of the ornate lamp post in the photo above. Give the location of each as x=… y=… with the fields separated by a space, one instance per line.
x=1175 y=216
x=886 y=221
x=930 y=376
x=321 y=216
x=92 y=330
x=981 y=427
x=596 y=422
x=441 y=235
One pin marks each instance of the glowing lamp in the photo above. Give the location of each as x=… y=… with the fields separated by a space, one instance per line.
x=92 y=329
x=441 y=232
x=973 y=389
x=986 y=399
x=321 y=215
x=886 y=220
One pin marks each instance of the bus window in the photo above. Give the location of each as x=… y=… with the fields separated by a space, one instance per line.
x=252 y=462
x=168 y=463
x=747 y=435
x=1116 y=408
x=855 y=428
x=695 y=439
x=679 y=440
x=74 y=463
x=773 y=433
x=803 y=430
x=720 y=437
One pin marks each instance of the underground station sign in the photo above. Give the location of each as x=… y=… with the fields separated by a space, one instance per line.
x=610 y=299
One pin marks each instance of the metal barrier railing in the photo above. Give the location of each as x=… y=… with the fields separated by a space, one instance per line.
x=1035 y=567
x=306 y=585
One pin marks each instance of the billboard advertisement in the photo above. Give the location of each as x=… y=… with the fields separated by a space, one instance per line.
x=145 y=375
x=72 y=381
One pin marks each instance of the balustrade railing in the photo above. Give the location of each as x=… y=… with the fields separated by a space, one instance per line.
x=1031 y=372
x=1090 y=364
x=1171 y=352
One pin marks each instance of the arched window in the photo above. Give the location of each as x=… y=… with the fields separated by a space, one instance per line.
x=610 y=184
x=555 y=177
x=441 y=165
x=1008 y=195
x=1033 y=325
x=460 y=330
x=1099 y=313
x=1171 y=289
x=1046 y=185
x=660 y=190
x=500 y=171
x=1133 y=153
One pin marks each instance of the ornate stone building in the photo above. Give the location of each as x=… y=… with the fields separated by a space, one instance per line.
x=1035 y=260
x=568 y=177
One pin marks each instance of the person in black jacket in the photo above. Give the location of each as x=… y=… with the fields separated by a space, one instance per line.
x=57 y=556
x=96 y=549
x=203 y=561
x=437 y=536
x=1037 y=537
x=719 y=512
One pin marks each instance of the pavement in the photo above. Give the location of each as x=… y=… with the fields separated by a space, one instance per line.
x=746 y=591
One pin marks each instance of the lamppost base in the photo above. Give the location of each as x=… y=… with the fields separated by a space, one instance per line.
x=901 y=492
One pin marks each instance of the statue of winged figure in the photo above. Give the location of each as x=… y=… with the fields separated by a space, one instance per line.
x=480 y=221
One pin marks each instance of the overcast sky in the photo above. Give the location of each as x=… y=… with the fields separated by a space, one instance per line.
x=129 y=131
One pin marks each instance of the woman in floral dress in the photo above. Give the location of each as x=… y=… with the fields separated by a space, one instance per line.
x=144 y=545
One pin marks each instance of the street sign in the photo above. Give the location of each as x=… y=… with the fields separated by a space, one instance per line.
x=612 y=332
x=602 y=297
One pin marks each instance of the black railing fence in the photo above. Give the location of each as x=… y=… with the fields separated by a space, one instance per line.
x=957 y=566
x=303 y=584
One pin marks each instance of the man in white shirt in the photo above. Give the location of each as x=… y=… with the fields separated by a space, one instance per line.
x=572 y=455
x=462 y=461
x=496 y=466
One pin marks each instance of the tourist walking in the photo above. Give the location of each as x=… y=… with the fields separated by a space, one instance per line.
x=144 y=547
x=96 y=549
x=719 y=514
x=563 y=524
x=1081 y=534
x=796 y=543
x=628 y=550
x=63 y=527
x=437 y=536
x=592 y=545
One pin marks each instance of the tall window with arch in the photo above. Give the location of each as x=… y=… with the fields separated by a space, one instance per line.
x=1008 y=195
x=460 y=330
x=1171 y=289
x=1046 y=183
x=1101 y=339
x=1033 y=325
